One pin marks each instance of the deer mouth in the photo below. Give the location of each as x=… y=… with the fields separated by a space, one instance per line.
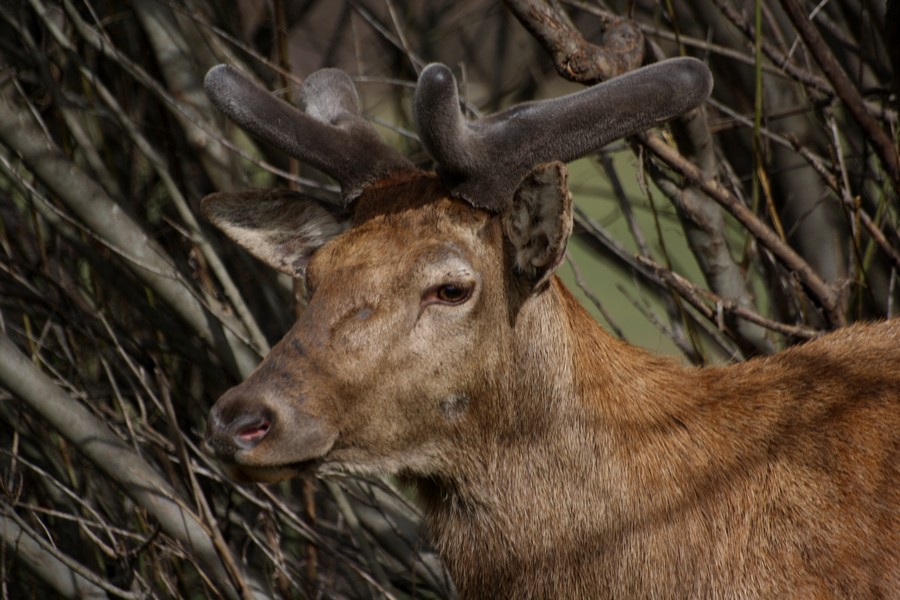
x=245 y=461
x=257 y=454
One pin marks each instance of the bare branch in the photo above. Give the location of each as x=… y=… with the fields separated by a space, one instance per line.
x=119 y=462
x=65 y=577
x=845 y=90
x=704 y=225
x=826 y=296
x=91 y=203
x=620 y=50
x=696 y=297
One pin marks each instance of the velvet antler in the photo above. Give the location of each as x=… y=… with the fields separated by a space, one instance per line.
x=327 y=133
x=484 y=161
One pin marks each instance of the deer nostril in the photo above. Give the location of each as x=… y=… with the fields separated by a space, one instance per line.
x=228 y=434
x=249 y=430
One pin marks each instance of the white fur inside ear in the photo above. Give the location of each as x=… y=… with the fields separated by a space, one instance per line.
x=539 y=221
x=279 y=227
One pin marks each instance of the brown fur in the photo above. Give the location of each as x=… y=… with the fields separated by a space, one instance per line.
x=555 y=461
x=771 y=479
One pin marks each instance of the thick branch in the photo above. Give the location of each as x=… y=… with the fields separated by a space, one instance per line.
x=704 y=224
x=620 y=50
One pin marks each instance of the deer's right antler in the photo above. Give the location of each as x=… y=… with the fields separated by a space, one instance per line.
x=484 y=161
x=328 y=133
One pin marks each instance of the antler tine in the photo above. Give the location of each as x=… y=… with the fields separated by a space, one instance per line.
x=484 y=161
x=328 y=132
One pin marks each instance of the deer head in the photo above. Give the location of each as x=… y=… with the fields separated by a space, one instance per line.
x=424 y=288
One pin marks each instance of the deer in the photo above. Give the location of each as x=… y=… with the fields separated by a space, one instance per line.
x=550 y=458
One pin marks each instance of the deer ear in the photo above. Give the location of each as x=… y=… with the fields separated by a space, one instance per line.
x=282 y=228
x=538 y=222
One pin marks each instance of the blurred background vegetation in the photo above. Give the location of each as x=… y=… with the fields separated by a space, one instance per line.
x=767 y=218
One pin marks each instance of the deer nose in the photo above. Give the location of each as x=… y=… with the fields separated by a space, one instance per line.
x=228 y=434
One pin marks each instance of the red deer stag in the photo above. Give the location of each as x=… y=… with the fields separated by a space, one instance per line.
x=552 y=460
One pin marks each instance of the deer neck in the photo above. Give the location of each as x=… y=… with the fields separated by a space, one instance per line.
x=570 y=443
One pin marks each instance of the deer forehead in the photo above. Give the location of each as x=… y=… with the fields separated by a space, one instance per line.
x=411 y=247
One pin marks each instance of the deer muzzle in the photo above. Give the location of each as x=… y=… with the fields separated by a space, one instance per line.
x=258 y=439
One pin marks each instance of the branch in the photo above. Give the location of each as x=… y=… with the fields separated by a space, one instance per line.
x=696 y=296
x=159 y=164
x=90 y=202
x=704 y=225
x=66 y=580
x=120 y=463
x=824 y=294
x=621 y=47
x=845 y=89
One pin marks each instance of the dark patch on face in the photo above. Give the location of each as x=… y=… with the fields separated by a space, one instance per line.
x=454 y=406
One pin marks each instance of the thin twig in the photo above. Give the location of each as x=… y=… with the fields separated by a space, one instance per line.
x=845 y=89
x=824 y=294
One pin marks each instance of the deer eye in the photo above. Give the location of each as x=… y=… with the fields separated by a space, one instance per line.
x=448 y=293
